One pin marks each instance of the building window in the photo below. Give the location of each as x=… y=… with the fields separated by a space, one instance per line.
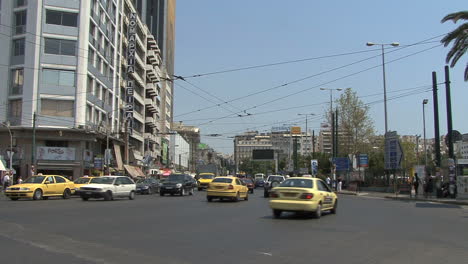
x=89 y=112
x=62 y=108
x=89 y=87
x=61 y=18
x=18 y=46
x=20 y=3
x=20 y=22
x=60 y=47
x=15 y=109
x=58 y=77
x=90 y=56
x=17 y=79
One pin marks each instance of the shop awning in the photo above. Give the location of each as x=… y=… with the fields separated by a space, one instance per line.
x=118 y=156
x=134 y=171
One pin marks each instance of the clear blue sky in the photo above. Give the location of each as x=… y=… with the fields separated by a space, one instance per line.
x=214 y=35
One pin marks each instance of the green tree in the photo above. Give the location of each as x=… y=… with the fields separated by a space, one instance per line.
x=355 y=125
x=459 y=37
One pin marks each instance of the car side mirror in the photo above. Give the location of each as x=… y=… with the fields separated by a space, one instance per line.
x=47 y=182
x=116 y=184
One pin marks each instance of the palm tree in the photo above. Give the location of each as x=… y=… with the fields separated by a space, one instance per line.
x=459 y=36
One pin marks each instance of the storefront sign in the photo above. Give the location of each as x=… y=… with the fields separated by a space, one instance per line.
x=130 y=85
x=98 y=163
x=55 y=153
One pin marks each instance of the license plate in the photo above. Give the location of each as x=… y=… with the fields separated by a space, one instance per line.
x=88 y=192
x=168 y=188
x=289 y=194
x=220 y=187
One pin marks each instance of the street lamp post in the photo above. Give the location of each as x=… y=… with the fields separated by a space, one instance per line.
x=306 y=115
x=425 y=101
x=382 y=45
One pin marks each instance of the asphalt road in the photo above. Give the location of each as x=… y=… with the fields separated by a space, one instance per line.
x=153 y=229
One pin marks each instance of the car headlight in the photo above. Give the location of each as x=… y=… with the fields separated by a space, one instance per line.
x=178 y=185
x=24 y=189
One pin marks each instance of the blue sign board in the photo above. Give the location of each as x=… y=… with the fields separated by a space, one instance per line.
x=363 y=160
x=314 y=165
x=342 y=164
x=393 y=151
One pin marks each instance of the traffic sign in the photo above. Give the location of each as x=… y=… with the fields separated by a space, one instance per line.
x=393 y=151
x=363 y=160
x=342 y=164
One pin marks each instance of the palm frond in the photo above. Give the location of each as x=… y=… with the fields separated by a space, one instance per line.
x=455 y=16
x=466 y=73
x=460 y=31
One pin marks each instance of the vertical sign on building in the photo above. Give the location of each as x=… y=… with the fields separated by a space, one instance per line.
x=130 y=84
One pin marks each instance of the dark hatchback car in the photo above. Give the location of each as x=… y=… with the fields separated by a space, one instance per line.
x=180 y=184
x=249 y=183
x=147 y=186
x=259 y=183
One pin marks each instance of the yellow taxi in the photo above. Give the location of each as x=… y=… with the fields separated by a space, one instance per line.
x=227 y=187
x=80 y=182
x=301 y=194
x=41 y=187
x=204 y=180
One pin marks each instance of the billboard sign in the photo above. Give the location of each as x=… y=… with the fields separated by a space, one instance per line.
x=55 y=153
x=130 y=84
x=263 y=154
x=296 y=130
x=393 y=151
x=314 y=167
x=342 y=164
x=363 y=160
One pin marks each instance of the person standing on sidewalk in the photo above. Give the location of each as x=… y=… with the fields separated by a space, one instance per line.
x=416 y=184
x=6 y=181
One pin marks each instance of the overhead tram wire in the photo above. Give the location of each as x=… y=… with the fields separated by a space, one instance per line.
x=328 y=82
x=308 y=77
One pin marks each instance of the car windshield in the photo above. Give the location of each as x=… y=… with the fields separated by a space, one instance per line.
x=275 y=178
x=299 y=183
x=144 y=181
x=223 y=180
x=103 y=180
x=175 y=178
x=35 y=179
x=207 y=176
x=82 y=180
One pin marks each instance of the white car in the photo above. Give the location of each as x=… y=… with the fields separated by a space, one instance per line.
x=109 y=187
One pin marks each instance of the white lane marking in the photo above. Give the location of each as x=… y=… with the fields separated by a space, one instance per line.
x=266 y=254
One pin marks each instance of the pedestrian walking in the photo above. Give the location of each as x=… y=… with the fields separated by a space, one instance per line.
x=20 y=181
x=416 y=184
x=328 y=181
x=6 y=181
x=340 y=184
x=428 y=188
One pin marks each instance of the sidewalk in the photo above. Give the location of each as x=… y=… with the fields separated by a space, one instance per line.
x=406 y=197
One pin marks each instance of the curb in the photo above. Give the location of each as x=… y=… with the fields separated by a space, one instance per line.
x=352 y=193
x=427 y=200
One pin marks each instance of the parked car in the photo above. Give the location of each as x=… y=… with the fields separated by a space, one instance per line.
x=109 y=187
x=204 y=180
x=227 y=187
x=180 y=184
x=249 y=183
x=147 y=186
x=41 y=187
x=301 y=194
x=259 y=182
x=271 y=182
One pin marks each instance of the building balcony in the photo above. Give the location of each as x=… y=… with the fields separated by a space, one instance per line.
x=150 y=121
x=151 y=43
x=150 y=105
x=151 y=73
x=150 y=137
x=153 y=57
x=151 y=90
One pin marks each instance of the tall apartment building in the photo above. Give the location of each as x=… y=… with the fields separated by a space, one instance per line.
x=65 y=71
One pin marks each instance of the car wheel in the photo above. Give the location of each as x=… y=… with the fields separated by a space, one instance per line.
x=14 y=198
x=182 y=192
x=277 y=213
x=246 y=196
x=131 y=196
x=236 y=199
x=37 y=194
x=191 y=191
x=66 y=194
x=335 y=206
x=108 y=196
x=200 y=188
x=318 y=211
x=209 y=199
x=84 y=198
x=265 y=194
x=150 y=191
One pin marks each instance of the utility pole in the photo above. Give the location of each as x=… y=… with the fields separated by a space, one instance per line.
x=313 y=143
x=449 y=113
x=295 y=154
x=336 y=133
x=436 y=119
x=332 y=136
x=126 y=143
x=33 y=147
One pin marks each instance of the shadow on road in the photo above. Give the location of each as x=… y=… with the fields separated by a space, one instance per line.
x=436 y=205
